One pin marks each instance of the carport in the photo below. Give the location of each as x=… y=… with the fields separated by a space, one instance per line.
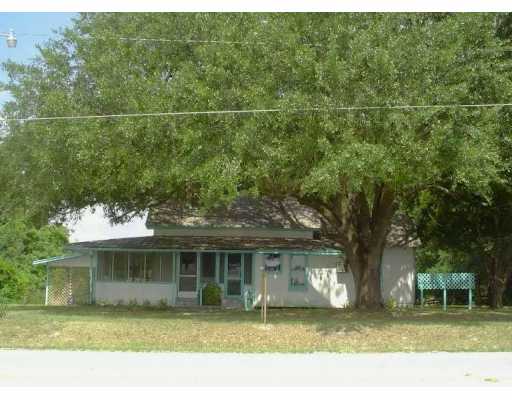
x=69 y=279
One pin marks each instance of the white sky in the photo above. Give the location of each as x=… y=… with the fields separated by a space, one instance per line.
x=94 y=226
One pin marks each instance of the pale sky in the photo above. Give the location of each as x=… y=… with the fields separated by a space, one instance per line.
x=33 y=28
x=94 y=226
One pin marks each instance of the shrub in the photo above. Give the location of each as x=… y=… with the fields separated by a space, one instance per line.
x=146 y=303
x=212 y=294
x=162 y=303
x=391 y=304
x=132 y=302
x=120 y=302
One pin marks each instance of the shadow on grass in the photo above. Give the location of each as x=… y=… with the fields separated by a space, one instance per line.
x=325 y=321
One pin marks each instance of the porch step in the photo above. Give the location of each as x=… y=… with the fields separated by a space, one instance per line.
x=186 y=302
x=231 y=303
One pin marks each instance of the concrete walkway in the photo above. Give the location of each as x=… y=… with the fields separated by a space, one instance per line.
x=24 y=367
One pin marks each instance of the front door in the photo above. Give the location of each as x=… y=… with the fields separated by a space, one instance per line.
x=234 y=275
x=187 y=282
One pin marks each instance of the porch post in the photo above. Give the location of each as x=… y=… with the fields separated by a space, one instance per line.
x=470 y=303
x=47 y=284
x=444 y=299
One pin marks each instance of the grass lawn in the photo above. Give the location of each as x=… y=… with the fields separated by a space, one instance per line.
x=289 y=330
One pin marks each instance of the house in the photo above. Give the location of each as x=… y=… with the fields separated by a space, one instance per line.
x=230 y=246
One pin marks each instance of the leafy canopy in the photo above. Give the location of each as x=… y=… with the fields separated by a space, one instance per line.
x=275 y=61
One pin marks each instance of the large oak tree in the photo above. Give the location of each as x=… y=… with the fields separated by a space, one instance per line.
x=353 y=166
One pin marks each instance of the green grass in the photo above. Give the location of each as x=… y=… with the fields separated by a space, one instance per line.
x=289 y=330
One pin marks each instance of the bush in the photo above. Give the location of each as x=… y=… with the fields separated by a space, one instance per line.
x=212 y=294
x=162 y=303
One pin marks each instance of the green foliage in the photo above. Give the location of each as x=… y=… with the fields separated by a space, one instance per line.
x=212 y=295
x=20 y=244
x=293 y=61
x=352 y=166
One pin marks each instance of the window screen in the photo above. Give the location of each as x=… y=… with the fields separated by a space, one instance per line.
x=152 y=267
x=104 y=266
x=248 y=269
x=120 y=266
x=167 y=267
x=136 y=272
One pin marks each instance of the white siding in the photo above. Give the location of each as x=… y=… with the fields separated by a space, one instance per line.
x=327 y=288
x=235 y=232
x=322 y=289
x=112 y=292
x=398 y=275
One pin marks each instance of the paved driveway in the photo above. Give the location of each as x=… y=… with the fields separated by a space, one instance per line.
x=23 y=367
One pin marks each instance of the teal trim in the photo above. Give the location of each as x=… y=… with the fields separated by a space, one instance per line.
x=217 y=268
x=257 y=251
x=54 y=259
x=298 y=288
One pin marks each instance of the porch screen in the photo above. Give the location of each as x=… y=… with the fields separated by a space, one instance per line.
x=135 y=266
x=120 y=266
x=105 y=266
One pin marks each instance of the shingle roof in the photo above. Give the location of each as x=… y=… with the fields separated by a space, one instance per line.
x=244 y=212
x=206 y=243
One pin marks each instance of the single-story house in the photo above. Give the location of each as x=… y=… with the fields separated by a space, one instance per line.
x=229 y=246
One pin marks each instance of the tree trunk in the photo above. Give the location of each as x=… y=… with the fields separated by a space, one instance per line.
x=361 y=227
x=496 y=283
x=366 y=272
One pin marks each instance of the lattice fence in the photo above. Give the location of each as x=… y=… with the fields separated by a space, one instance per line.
x=68 y=285
x=459 y=280
x=446 y=281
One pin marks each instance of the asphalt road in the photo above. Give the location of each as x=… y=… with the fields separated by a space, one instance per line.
x=68 y=368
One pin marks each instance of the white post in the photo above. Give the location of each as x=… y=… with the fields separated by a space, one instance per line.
x=47 y=283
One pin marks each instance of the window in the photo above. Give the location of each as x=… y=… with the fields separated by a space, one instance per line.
x=248 y=269
x=136 y=271
x=341 y=268
x=135 y=267
x=104 y=266
x=297 y=272
x=152 y=273
x=120 y=266
x=272 y=262
x=167 y=268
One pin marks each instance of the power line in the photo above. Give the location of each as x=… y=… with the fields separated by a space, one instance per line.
x=228 y=42
x=259 y=111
